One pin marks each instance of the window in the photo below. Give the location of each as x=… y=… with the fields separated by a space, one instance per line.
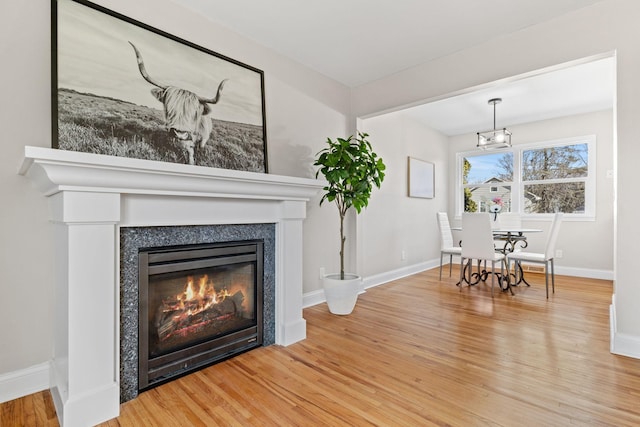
x=540 y=178
x=480 y=175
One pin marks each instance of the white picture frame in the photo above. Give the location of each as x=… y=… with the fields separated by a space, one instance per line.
x=421 y=178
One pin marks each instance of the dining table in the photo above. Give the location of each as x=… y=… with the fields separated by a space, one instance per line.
x=508 y=239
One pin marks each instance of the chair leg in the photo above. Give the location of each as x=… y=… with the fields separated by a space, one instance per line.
x=553 y=278
x=546 y=277
x=450 y=264
x=493 y=276
x=521 y=272
x=505 y=263
x=461 y=271
x=441 y=265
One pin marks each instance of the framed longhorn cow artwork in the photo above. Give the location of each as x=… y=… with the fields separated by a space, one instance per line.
x=123 y=88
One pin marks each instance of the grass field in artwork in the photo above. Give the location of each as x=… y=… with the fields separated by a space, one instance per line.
x=101 y=125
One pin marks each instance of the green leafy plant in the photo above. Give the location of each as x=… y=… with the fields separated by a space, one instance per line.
x=351 y=169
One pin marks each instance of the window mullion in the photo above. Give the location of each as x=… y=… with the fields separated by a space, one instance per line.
x=555 y=181
x=517 y=188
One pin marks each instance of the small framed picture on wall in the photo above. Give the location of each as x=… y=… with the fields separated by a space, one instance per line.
x=421 y=178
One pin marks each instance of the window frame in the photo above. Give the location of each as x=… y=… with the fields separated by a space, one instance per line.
x=517 y=183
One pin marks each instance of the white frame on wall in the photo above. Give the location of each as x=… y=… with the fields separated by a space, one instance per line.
x=421 y=178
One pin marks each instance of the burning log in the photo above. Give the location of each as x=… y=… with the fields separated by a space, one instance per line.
x=238 y=299
x=183 y=317
x=165 y=328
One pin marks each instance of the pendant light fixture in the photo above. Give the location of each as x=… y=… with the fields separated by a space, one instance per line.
x=496 y=138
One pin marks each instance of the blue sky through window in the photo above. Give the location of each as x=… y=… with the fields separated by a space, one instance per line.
x=484 y=167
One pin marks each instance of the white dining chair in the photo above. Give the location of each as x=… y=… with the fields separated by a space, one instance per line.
x=506 y=221
x=509 y=220
x=477 y=243
x=446 y=241
x=545 y=258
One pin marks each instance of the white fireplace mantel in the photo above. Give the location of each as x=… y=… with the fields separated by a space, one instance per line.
x=91 y=196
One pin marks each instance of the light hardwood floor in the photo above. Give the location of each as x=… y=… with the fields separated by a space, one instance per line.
x=415 y=352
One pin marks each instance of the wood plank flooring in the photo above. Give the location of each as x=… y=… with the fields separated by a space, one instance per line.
x=415 y=352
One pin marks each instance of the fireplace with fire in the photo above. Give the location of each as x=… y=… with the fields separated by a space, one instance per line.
x=198 y=304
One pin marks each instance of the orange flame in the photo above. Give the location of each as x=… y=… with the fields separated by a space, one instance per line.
x=189 y=292
x=199 y=300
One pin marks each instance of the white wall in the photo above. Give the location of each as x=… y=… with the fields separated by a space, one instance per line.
x=303 y=108
x=593 y=256
x=394 y=222
x=607 y=26
x=26 y=258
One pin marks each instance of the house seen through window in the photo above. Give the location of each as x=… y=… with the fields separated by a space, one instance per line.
x=540 y=178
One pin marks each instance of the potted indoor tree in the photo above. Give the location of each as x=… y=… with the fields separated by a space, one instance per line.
x=351 y=169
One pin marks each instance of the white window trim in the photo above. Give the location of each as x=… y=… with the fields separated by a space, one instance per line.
x=517 y=184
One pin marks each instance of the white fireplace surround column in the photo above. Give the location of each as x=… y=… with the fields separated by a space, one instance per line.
x=90 y=197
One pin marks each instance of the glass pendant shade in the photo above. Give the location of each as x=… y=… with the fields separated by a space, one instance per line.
x=498 y=138
x=495 y=138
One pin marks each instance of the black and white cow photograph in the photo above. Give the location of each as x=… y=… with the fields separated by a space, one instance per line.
x=123 y=88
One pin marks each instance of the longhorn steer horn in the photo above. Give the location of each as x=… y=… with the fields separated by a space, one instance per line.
x=148 y=78
x=143 y=70
x=217 y=97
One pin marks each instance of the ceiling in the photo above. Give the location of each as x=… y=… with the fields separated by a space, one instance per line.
x=358 y=41
x=577 y=89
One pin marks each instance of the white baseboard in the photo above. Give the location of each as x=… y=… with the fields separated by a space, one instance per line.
x=622 y=344
x=317 y=297
x=584 y=272
x=313 y=298
x=571 y=271
x=24 y=382
x=626 y=345
x=382 y=278
x=612 y=322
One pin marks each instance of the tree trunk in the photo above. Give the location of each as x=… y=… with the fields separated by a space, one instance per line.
x=342 y=239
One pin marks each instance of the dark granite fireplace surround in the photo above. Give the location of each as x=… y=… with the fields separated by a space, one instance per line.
x=134 y=238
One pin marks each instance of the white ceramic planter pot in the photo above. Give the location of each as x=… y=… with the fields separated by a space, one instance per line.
x=341 y=295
